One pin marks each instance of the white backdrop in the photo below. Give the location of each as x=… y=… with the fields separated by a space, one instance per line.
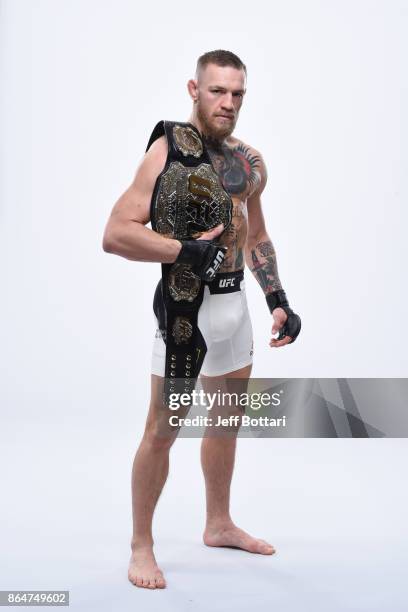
x=83 y=84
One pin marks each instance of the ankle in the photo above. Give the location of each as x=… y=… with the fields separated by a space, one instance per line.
x=218 y=523
x=139 y=542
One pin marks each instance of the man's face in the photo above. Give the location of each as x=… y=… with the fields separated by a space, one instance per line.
x=219 y=98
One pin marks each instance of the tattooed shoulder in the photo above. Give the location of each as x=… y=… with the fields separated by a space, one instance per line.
x=251 y=161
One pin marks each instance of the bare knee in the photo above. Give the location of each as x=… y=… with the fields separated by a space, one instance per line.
x=158 y=436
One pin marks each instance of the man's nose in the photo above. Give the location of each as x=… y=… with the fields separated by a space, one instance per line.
x=227 y=103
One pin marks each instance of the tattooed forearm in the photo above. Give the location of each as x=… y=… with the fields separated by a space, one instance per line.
x=264 y=266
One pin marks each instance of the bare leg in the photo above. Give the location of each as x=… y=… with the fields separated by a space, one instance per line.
x=217 y=460
x=149 y=474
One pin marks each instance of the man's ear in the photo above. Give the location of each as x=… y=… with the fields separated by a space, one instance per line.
x=192 y=87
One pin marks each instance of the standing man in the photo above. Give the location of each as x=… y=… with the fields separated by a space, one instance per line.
x=216 y=181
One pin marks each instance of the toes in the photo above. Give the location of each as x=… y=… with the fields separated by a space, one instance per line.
x=266 y=548
x=150 y=583
x=160 y=582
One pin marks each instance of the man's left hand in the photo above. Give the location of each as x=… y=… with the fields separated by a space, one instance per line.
x=279 y=320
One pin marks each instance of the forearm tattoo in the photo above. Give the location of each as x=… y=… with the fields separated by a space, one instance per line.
x=264 y=266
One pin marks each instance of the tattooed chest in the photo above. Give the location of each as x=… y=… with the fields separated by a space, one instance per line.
x=239 y=173
x=234 y=237
x=237 y=168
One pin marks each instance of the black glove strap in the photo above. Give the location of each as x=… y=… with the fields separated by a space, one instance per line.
x=205 y=256
x=277 y=299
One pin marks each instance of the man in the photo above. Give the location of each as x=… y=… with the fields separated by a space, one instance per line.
x=222 y=320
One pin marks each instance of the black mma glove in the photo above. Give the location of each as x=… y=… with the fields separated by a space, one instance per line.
x=292 y=325
x=205 y=257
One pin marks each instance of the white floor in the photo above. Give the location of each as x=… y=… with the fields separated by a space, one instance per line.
x=334 y=509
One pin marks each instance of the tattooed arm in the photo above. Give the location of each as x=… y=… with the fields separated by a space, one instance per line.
x=260 y=254
x=260 y=257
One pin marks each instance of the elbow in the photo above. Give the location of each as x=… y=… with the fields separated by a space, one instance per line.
x=254 y=239
x=108 y=241
x=251 y=243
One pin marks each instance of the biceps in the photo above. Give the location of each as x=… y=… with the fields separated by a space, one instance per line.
x=133 y=205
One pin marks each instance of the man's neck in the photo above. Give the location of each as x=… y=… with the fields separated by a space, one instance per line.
x=210 y=140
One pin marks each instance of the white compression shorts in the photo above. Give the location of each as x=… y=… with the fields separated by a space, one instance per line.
x=224 y=321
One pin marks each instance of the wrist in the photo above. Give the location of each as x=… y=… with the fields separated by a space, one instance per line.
x=174 y=250
x=277 y=299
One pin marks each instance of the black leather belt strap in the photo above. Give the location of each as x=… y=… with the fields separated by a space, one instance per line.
x=188 y=199
x=185 y=344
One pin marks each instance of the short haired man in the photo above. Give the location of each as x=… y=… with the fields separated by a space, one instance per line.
x=222 y=320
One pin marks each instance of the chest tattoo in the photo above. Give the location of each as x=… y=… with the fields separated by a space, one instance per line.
x=236 y=167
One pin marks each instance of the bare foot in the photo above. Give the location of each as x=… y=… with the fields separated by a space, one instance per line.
x=232 y=536
x=143 y=569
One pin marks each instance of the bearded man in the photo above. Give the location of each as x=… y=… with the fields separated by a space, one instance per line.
x=200 y=187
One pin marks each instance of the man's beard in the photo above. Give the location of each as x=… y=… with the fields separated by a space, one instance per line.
x=212 y=131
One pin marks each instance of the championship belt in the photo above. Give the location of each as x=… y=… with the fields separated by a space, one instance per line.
x=188 y=199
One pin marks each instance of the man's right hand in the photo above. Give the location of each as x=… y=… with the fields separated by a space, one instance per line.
x=205 y=256
x=213 y=233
